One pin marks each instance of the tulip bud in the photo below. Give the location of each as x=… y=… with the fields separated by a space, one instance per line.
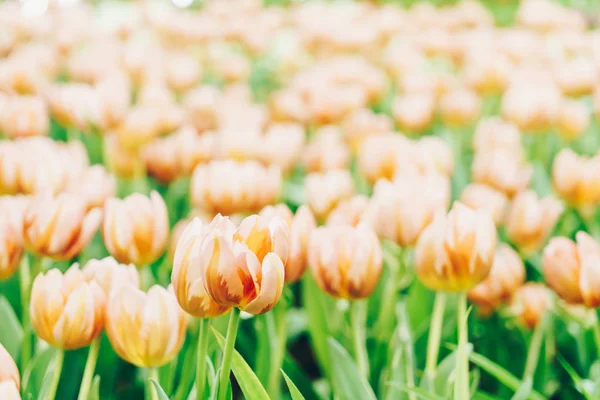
x=66 y=311
x=301 y=227
x=59 y=227
x=226 y=186
x=327 y=151
x=136 y=228
x=455 y=252
x=349 y=211
x=577 y=180
x=506 y=276
x=10 y=379
x=325 y=191
x=493 y=134
x=145 y=329
x=23 y=116
x=110 y=275
x=460 y=107
x=530 y=302
x=573 y=119
x=572 y=269
x=478 y=196
x=530 y=220
x=187 y=276
x=503 y=170
x=346 y=262
x=414 y=112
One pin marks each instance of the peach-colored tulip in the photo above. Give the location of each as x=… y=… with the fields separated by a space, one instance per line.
x=530 y=220
x=494 y=134
x=282 y=145
x=573 y=119
x=478 y=196
x=187 y=275
x=95 y=185
x=136 y=228
x=66 y=311
x=506 y=276
x=59 y=227
x=349 y=211
x=325 y=191
x=460 y=107
x=503 y=170
x=487 y=71
x=110 y=275
x=10 y=379
x=145 y=329
x=455 y=252
x=200 y=107
x=576 y=179
x=121 y=161
x=23 y=116
x=227 y=186
x=414 y=112
x=114 y=99
x=74 y=105
x=435 y=156
x=11 y=245
x=533 y=107
x=327 y=151
x=572 y=269
x=346 y=262
x=363 y=123
x=530 y=302
x=244 y=267
x=576 y=77
x=379 y=155
x=182 y=70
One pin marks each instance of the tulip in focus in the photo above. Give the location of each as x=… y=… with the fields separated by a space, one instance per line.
x=136 y=228
x=10 y=379
x=66 y=310
x=530 y=302
x=576 y=179
x=145 y=329
x=110 y=275
x=325 y=191
x=456 y=251
x=478 y=196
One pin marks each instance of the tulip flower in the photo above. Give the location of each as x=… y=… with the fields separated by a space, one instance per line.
x=23 y=116
x=325 y=191
x=503 y=170
x=327 y=151
x=10 y=379
x=349 y=211
x=478 y=196
x=576 y=180
x=110 y=275
x=460 y=107
x=530 y=302
x=11 y=246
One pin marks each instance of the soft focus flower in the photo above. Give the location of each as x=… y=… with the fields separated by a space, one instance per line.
x=95 y=185
x=506 y=276
x=22 y=116
x=573 y=119
x=327 y=151
x=530 y=220
x=493 y=134
x=324 y=191
x=503 y=170
x=182 y=70
x=363 y=123
x=200 y=106
x=346 y=262
x=435 y=156
x=414 y=112
x=120 y=160
x=110 y=275
x=576 y=179
x=187 y=275
x=530 y=302
x=572 y=269
x=10 y=379
x=59 y=227
x=74 y=105
x=66 y=310
x=136 y=228
x=145 y=329
x=460 y=107
x=478 y=196
x=378 y=156
x=282 y=145
x=11 y=245
x=349 y=211
x=227 y=186
x=455 y=252
x=244 y=267
x=533 y=106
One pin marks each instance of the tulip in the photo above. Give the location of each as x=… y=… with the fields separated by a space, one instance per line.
x=460 y=107
x=506 y=276
x=10 y=379
x=530 y=302
x=282 y=145
x=136 y=228
x=66 y=311
x=95 y=184
x=435 y=156
x=494 y=134
x=348 y=212
x=326 y=190
x=414 y=112
x=145 y=329
x=478 y=196
x=110 y=275
x=59 y=227
x=183 y=71
x=503 y=170
x=575 y=179
x=327 y=151
x=533 y=106
x=23 y=116
x=362 y=123
x=201 y=107
x=573 y=119
x=11 y=247
x=120 y=160
x=571 y=269
x=74 y=105
x=530 y=220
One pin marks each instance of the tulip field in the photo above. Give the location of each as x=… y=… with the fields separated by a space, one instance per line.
x=299 y=200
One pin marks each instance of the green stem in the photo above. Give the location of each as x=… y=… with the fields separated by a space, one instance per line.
x=88 y=372
x=406 y=342
x=232 y=328
x=596 y=331
x=435 y=335
x=57 y=369
x=461 y=385
x=150 y=389
x=25 y=286
x=273 y=385
x=357 y=320
x=147 y=277
x=203 y=325
x=535 y=346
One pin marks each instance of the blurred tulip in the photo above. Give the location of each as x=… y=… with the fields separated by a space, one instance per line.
x=182 y=70
x=349 y=211
x=414 y=112
x=226 y=186
x=494 y=134
x=282 y=145
x=478 y=196
x=66 y=311
x=136 y=228
x=572 y=269
x=11 y=246
x=363 y=123
x=576 y=179
x=533 y=107
x=74 y=105
x=573 y=119
x=187 y=275
x=123 y=162
x=378 y=155
x=10 y=379
x=145 y=329
x=110 y=275
x=326 y=190
x=200 y=107
x=576 y=77
x=487 y=71
x=59 y=227
x=460 y=107
x=530 y=302
x=95 y=185
x=456 y=251
x=506 y=276
x=346 y=262
x=327 y=151
x=244 y=268
x=435 y=156
x=23 y=116
x=530 y=220
x=114 y=99
x=502 y=170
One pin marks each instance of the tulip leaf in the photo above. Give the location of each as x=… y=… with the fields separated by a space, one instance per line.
x=294 y=392
x=418 y=392
x=248 y=381
x=11 y=334
x=159 y=390
x=524 y=390
x=35 y=372
x=94 y=393
x=295 y=372
x=348 y=382
x=317 y=322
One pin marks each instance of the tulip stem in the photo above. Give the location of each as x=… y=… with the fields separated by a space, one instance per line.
x=358 y=319
x=274 y=379
x=151 y=391
x=596 y=332
x=201 y=362
x=461 y=383
x=25 y=286
x=535 y=346
x=435 y=335
x=57 y=369
x=232 y=328
x=88 y=372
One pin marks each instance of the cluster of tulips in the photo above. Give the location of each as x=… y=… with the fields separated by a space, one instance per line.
x=170 y=176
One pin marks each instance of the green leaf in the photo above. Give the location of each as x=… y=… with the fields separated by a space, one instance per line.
x=524 y=391
x=317 y=322
x=34 y=374
x=11 y=334
x=294 y=392
x=249 y=383
x=303 y=382
x=579 y=383
x=348 y=383
x=422 y=393
x=161 y=393
x=94 y=393
x=265 y=338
